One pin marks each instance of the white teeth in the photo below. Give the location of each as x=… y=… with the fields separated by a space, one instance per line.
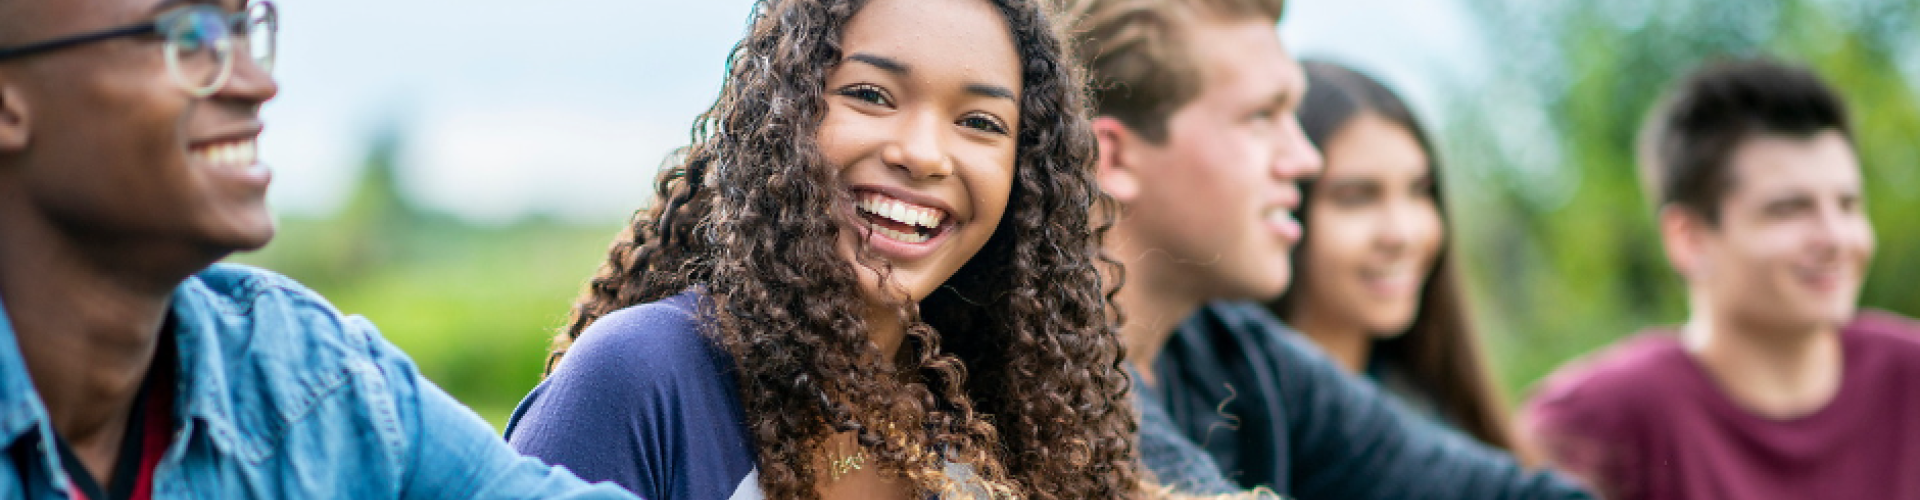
x=899 y=211
x=1279 y=215
x=239 y=154
x=897 y=235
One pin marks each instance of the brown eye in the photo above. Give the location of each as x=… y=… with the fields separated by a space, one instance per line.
x=1354 y=195
x=1788 y=208
x=868 y=93
x=983 y=124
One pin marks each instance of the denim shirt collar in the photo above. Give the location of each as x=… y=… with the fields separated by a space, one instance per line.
x=201 y=388
x=20 y=408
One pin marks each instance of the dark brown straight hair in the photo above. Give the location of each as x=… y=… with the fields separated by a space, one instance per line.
x=1439 y=351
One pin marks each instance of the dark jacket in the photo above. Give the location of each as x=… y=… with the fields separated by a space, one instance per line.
x=1272 y=412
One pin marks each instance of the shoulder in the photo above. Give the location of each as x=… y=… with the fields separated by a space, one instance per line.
x=657 y=341
x=645 y=400
x=1240 y=316
x=1232 y=326
x=239 y=289
x=644 y=362
x=1887 y=329
x=1599 y=387
x=255 y=317
x=1885 y=343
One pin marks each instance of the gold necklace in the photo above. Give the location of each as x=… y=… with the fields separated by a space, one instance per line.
x=844 y=465
x=839 y=465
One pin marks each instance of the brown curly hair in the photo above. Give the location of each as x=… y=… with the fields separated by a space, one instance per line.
x=1027 y=386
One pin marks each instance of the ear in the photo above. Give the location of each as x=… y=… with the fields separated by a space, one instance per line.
x=1683 y=233
x=13 y=118
x=1116 y=170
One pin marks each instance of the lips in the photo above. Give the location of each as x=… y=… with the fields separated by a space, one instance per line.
x=1823 y=279
x=1390 y=280
x=1280 y=219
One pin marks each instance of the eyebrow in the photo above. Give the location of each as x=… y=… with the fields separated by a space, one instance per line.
x=885 y=64
x=1282 y=98
x=902 y=69
x=990 y=90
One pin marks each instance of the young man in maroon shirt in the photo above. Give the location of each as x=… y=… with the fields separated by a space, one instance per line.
x=1775 y=387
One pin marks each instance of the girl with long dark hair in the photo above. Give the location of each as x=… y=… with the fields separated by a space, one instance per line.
x=1377 y=288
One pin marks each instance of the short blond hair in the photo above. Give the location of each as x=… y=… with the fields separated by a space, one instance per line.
x=1139 y=65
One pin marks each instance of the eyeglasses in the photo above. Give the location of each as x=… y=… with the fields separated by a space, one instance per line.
x=201 y=42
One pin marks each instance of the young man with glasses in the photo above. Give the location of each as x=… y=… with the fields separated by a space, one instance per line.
x=130 y=368
x=1195 y=103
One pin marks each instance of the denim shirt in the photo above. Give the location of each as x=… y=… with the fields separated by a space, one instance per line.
x=279 y=395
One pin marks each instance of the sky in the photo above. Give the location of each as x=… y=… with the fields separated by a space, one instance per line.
x=509 y=108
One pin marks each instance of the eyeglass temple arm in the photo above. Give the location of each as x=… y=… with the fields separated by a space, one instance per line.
x=52 y=45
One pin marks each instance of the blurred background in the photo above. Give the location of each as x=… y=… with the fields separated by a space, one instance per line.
x=454 y=171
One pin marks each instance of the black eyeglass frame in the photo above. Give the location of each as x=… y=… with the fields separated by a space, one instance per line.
x=268 y=14
x=148 y=28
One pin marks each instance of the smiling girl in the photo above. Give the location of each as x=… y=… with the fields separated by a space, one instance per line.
x=1376 y=289
x=870 y=276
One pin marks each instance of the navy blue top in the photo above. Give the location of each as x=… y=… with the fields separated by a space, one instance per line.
x=1272 y=412
x=644 y=399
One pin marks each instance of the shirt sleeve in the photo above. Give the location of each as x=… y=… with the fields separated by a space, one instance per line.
x=450 y=452
x=1350 y=441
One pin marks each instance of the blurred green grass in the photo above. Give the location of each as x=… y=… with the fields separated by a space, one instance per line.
x=475 y=306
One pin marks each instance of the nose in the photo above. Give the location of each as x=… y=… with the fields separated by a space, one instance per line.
x=1395 y=227
x=1842 y=228
x=250 y=83
x=918 y=147
x=1294 y=156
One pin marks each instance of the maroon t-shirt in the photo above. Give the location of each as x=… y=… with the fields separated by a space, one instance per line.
x=1643 y=420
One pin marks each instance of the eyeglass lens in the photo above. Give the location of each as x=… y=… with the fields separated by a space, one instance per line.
x=201 y=44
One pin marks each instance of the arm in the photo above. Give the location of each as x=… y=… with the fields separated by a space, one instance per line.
x=1172 y=459
x=450 y=452
x=1573 y=441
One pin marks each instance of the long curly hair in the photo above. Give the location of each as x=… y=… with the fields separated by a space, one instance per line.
x=1025 y=386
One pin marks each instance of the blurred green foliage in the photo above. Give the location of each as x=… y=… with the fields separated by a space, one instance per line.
x=1555 y=234
x=475 y=306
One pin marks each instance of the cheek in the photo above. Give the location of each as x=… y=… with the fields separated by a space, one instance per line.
x=1429 y=232
x=840 y=138
x=1861 y=240
x=992 y=190
x=1334 y=234
x=1335 y=243
x=1243 y=158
